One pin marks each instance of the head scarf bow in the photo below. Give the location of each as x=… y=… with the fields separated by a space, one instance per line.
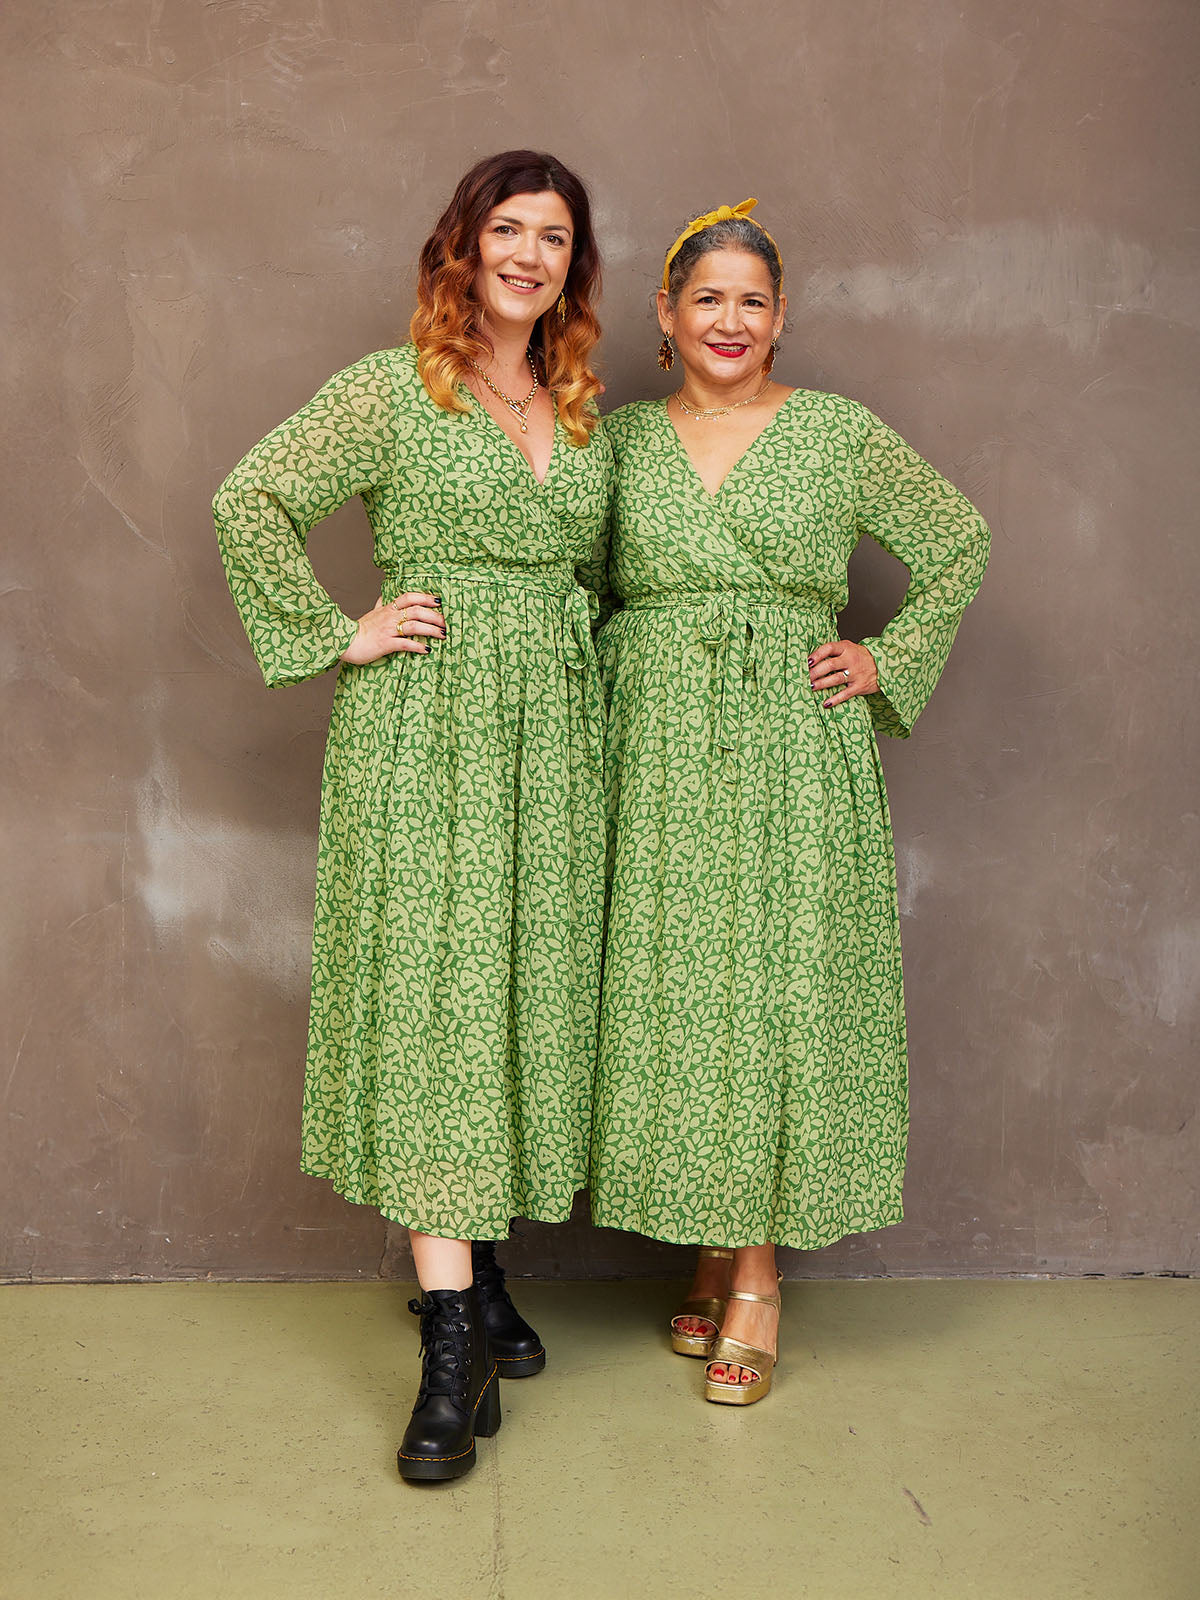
x=721 y=214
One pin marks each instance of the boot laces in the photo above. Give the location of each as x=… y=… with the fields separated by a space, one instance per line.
x=445 y=1350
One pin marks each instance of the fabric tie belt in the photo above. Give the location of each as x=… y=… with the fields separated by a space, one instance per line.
x=579 y=606
x=579 y=610
x=725 y=624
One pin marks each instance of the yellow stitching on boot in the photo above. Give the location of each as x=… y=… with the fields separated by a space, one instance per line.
x=404 y=1456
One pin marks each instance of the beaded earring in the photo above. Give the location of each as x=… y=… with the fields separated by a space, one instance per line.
x=666 y=353
x=771 y=354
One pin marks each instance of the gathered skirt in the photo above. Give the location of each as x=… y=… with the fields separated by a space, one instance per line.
x=456 y=949
x=752 y=1078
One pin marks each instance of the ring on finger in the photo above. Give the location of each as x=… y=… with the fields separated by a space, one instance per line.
x=846 y=670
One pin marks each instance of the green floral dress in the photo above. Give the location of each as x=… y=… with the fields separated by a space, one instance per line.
x=460 y=883
x=752 y=1077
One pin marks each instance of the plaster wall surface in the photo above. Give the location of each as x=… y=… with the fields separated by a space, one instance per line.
x=983 y=209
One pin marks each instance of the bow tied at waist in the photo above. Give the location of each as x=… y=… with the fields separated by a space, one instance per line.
x=580 y=610
x=733 y=624
x=724 y=627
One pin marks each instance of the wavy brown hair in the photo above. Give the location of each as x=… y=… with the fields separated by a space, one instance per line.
x=447 y=326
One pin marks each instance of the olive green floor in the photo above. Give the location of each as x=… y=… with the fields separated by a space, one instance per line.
x=1001 y=1440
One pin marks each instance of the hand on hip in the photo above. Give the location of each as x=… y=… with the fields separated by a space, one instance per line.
x=408 y=623
x=841 y=670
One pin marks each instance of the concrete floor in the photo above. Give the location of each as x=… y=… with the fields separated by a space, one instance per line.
x=974 y=1440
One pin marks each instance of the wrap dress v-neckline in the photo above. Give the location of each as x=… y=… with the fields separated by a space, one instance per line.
x=540 y=483
x=715 y=494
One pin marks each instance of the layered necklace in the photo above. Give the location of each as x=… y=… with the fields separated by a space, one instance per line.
x=717 y=411
x=520 y=408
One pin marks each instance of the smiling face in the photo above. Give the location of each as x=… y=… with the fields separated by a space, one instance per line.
x=524 y=254
x=724 y=319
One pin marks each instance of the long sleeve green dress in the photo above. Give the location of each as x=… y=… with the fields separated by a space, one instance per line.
x=460 y=883
x=752 y=1078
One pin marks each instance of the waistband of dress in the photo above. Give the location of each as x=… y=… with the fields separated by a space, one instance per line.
x=734 y=600
x=557 y=578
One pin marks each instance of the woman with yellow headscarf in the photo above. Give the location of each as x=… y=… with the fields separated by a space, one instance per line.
x=752 y=1086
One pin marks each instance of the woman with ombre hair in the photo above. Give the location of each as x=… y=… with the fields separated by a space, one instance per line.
x=460 y=879
x=751 y=1084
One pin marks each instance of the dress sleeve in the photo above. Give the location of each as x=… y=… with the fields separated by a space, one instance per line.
x=341 y=444
x=911 y=510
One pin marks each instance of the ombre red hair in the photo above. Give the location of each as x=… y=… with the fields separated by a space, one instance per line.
x=447 y=326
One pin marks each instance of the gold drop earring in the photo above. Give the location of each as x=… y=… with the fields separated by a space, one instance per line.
x=562 y=308
x=771 y=354
x=666 y=353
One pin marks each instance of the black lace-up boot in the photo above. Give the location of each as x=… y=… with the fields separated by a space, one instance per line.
x=459 y=1397
x=517 y=1349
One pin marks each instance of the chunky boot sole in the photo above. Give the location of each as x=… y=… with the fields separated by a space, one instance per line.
x=521 y=1366
x=437 y=1469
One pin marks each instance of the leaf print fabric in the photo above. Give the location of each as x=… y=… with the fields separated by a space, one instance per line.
x=752 y=1081
x=460 y=877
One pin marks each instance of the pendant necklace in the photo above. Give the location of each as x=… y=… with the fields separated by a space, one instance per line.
x=519 y=407
x=717 y=411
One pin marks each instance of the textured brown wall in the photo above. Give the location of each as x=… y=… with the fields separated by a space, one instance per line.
x=981 y=208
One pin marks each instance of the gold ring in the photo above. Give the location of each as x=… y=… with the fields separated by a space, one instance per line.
x=846 y=670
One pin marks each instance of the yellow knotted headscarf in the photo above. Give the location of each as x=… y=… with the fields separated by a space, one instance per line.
x=721 y=214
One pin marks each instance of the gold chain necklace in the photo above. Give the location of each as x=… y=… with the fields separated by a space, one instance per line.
x=719 y=411
x=520 y=407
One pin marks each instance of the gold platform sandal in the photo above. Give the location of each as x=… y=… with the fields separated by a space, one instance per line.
x=733 y=1353
x=701 y=1308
